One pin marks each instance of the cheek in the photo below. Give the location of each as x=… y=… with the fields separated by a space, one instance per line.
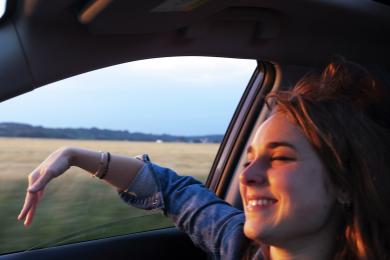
x=285 y=181
x=302 y=188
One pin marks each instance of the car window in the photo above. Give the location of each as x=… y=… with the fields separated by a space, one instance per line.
x=175 y=109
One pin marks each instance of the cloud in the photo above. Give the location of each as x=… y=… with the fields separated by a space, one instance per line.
x=203 y=71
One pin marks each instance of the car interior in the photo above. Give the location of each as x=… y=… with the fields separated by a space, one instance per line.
x=43 y=41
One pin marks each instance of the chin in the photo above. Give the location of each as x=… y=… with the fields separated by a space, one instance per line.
x=263 y=233
x=255 y=231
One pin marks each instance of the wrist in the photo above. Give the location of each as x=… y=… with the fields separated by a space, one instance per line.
x=69 y=154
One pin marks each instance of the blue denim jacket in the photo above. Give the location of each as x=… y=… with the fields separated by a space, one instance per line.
x=212 y=224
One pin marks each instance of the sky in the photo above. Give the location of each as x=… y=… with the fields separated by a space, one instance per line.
x=179 y=96
x=2 y=7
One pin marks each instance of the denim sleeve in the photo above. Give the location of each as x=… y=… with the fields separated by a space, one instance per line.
x=212 y=224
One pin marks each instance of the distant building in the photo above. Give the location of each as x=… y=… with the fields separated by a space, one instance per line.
x=159 y=141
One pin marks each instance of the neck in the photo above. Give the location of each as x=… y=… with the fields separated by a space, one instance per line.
x=309 y=252
x=318 y=246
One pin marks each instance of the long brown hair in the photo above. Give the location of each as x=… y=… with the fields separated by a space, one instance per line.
x=336 y=110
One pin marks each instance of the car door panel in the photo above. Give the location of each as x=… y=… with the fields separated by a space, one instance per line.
x=167 y=243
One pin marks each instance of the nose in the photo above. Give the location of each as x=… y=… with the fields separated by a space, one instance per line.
x=253 y=174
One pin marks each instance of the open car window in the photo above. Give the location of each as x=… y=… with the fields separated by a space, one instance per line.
x=175 y=109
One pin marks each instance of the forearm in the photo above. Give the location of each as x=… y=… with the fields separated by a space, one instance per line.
x=121 y=170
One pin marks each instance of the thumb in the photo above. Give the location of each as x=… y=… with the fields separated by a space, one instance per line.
x=40 y=184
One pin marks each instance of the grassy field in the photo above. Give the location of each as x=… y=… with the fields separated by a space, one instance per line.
x=77 y=207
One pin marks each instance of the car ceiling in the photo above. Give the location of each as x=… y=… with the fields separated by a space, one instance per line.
x=47 y=40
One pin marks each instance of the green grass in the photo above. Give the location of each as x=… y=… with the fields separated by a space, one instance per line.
x=77 y=207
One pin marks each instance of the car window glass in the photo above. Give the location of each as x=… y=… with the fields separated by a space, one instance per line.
x=175 y=109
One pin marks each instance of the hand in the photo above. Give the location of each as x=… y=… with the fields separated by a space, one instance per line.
x=55 y=165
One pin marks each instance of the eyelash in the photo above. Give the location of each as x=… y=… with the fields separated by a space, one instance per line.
x=276 y=158
x=281 y=158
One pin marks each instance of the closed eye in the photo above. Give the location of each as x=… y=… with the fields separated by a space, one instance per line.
x=282 y=158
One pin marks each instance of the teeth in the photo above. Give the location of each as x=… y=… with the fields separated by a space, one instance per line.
x=261 y=202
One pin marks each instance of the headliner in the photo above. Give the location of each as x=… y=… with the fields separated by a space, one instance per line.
x=46 y=40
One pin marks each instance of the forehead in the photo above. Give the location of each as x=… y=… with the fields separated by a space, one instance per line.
x=279 y=128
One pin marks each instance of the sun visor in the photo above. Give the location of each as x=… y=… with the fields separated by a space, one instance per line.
x=191 y=17
x=142 y=17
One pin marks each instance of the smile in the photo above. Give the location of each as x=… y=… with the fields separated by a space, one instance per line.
x=261 y=202
x=253 y=204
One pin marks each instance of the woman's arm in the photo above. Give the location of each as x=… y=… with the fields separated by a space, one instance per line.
x=120 y=173
x=121 y=169
x=211 y=223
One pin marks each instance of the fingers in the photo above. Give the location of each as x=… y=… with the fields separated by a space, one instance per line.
x=56 y=164
x=30 y=195
x=31 y=213
x=28 y=207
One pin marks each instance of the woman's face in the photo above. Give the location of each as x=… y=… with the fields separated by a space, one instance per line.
x=285 y=187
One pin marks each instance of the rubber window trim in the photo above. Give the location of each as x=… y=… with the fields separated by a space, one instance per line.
x=240 y=127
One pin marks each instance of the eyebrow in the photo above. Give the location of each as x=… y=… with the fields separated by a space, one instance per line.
x=273 y=145
x=277 y=144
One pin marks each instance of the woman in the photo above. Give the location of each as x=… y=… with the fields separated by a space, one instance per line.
x=315 y=184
